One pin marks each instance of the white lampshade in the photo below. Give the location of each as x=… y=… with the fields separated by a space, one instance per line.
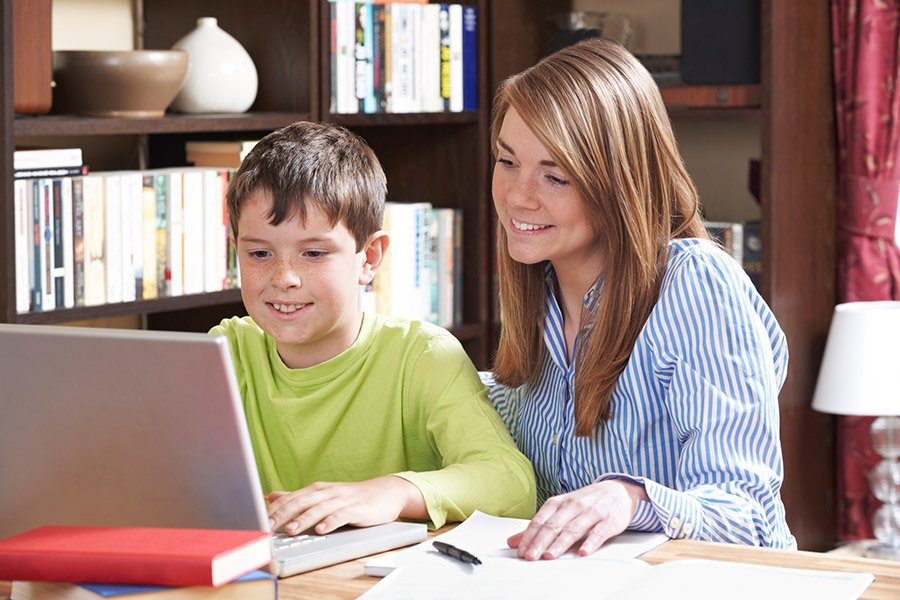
x=860 y=373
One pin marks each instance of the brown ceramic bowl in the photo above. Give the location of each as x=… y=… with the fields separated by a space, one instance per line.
x=117 y=83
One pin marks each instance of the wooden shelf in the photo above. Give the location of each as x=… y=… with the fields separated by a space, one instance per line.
x=75 y=125
x=410 y=119
x=63 y=315
x=715 y=97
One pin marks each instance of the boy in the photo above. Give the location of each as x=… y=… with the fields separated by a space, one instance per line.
x=365 y=418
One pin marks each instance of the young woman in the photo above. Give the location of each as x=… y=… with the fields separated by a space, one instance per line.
x=638 y=367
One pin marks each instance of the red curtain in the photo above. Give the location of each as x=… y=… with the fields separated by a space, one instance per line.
x=866 y=43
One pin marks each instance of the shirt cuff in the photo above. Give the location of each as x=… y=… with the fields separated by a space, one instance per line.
x=669 y=511
x=437 y=515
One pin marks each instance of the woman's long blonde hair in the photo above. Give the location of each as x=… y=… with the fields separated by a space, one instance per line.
x=600 y=116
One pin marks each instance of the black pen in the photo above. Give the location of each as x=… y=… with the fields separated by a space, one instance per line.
x=457 y=553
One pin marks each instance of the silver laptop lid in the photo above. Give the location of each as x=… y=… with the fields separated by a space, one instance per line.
x=123 y=428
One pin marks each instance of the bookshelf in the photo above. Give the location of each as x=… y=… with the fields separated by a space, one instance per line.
x=440 y=158
x=445 y=159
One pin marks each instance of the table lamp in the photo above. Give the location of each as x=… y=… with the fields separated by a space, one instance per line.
x=860 y=375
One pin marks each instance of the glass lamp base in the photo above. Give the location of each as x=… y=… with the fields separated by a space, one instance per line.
x=885 y=482
x=883 y=551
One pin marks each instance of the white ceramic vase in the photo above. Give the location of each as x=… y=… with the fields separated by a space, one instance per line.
x=221 y=75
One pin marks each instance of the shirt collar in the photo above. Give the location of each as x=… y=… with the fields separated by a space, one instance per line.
x=591 y=298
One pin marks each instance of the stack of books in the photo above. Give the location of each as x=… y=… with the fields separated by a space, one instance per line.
x=147 y=563
x=223 y=154
x=48 y=162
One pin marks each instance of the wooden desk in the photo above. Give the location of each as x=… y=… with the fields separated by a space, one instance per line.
x=887 y=573
x=347 y=580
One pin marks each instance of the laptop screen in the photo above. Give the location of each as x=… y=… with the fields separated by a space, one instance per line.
x=122 y=428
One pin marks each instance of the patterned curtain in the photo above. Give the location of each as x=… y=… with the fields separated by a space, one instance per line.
x=866 y=41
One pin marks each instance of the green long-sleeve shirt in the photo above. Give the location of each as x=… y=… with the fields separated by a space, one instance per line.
x=404 y=399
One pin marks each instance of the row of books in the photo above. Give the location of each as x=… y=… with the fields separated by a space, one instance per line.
x=256 y=585
x=402 y=57
x=426 y=282
x=120 y=236
x=743 y=241
x=421 y=274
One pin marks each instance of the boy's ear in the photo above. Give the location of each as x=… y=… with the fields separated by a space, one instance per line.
x=375 y=249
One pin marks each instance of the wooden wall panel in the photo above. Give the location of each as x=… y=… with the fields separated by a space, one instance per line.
x=798 y=191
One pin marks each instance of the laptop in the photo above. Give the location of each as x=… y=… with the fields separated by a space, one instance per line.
x=115 y=427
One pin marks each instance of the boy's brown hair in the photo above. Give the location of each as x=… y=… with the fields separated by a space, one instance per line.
x=313 y=162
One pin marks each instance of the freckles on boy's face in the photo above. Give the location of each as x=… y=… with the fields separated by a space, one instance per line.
x=299 y=281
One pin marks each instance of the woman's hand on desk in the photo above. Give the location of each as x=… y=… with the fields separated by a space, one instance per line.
x=595 y=513
x=327 y=506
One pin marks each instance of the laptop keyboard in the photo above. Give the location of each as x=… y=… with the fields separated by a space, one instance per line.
x=305 y=552
x=283 y=543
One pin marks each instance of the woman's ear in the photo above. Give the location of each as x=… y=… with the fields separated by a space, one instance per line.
x=374 y=251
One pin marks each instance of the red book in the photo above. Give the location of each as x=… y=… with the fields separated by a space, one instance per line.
x=142 y=555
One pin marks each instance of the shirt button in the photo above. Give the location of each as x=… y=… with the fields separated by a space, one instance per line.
x=555 y=438
x=674 y=522
x=688 y=528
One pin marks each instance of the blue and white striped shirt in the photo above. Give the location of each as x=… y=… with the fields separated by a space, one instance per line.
x=694 y=413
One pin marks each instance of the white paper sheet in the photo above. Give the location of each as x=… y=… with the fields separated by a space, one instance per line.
x=613 y=573
x=485 y=536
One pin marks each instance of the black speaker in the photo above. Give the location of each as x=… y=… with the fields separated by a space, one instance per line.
x=720 y=41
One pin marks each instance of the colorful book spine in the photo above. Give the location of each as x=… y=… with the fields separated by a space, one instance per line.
x=444 y=22
x=192 y=188
x=402 y=59
x=114 y=237
x=346 y=73
x=379 y=22
x=160 y=186
x=148 y=212
x=94 y=241
x=59 y=273
x=458 y=267
x=50 y=172
x=20 y=209
x=47 y=158
x=430 y=52
x=78 y=239
x=365 y=68
x=48 y=284
x=470 y=57
x=68 y=249
x=175 y=237
x=415 y=24
x=333 y=56
x=456 y=65
x=131 y=193
x=37 y=295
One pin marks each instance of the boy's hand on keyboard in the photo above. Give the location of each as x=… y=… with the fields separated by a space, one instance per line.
x=327 y=506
